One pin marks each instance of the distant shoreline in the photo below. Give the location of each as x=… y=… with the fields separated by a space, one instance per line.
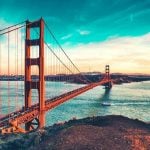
x=79 y=79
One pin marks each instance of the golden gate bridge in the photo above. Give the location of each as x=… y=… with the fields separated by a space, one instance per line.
x=29 y=52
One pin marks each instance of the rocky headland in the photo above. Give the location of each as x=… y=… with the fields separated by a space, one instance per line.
x=92 y=133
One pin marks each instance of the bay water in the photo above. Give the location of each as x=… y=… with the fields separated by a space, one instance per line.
x=131 y=100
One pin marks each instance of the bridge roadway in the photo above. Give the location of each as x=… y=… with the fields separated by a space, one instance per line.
x=22 y=116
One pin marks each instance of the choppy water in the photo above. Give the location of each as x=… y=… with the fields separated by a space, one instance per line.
x=132 y=100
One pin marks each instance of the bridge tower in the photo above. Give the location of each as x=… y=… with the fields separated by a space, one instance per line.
x=40 y=84
x=107 y=73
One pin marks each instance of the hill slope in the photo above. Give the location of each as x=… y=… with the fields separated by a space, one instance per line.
x=99 y=133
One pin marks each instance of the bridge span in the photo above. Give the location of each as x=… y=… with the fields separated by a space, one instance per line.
x=32 y=116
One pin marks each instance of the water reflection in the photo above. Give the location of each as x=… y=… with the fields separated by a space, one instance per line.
x=101 y=104
x=106 y=96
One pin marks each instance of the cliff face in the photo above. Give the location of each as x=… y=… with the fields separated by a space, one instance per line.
x=109 y=132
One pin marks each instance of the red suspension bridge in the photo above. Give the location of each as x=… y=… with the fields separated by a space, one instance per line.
x=41 y=59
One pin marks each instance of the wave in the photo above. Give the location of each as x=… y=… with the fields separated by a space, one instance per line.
x=130 y=103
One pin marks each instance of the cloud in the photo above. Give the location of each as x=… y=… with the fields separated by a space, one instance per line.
x=66 y=37
x=83 y=32
x=95 y=18
x=124 y=54
x=120 y=29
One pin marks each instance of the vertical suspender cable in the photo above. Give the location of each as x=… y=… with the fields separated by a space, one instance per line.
x=8 y=77
x=21 y=67
x=51 y=68
x=76 y=68
x=15 y=83
x=0 y=80
x=46 y=65
x=21 y=64
x=17 y=70
x=37 y=54
x=46 y=69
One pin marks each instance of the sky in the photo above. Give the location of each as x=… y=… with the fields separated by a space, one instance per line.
x=92 y=32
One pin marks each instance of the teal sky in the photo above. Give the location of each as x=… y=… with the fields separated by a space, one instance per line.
x=115 y=32
x=82 y=21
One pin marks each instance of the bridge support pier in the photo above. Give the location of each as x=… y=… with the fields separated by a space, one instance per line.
x=108 y=85
x=40 y=84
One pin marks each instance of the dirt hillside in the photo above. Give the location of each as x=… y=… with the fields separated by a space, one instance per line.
x=93 y=133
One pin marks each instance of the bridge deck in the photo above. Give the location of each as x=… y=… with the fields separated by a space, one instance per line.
x=23 y=116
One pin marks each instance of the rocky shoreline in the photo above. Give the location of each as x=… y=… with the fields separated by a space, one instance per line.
x=102 y=132
x=127 y=79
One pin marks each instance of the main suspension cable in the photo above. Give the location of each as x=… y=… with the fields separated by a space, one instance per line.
x=0 y=81
x=10 y=30
x=12 y=26
x=8 y=72
x=62 y=62
x=64 y=50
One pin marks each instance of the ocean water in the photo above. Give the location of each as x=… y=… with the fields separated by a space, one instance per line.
x=131 y=100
